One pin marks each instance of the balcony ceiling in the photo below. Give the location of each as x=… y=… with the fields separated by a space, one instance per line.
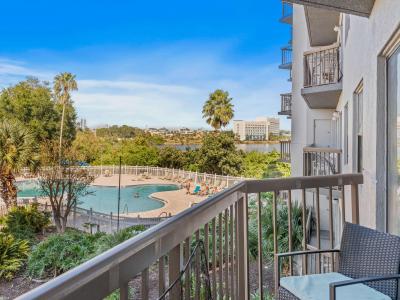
x=354 y=7
x=321 y=24
x=322 y=97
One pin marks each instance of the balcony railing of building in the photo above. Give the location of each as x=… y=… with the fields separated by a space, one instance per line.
x=286 y=58
x=286 y=104
x=285 y=151
x=321 y=161
x=322 y=67
x=287 y=13
x=204 y=249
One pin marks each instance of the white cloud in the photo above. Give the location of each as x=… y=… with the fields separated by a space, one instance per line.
x=161 y=87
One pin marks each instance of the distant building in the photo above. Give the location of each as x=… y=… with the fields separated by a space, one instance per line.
x=258 y=130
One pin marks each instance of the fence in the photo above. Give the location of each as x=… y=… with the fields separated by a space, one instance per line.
x=321 y=161
x=322 y=67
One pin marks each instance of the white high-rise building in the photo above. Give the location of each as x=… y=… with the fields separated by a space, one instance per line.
x=258 y=130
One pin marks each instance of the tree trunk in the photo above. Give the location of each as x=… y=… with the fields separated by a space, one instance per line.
x=57 y=221
x=61 y=130
x=8 y=189
x=63 y=224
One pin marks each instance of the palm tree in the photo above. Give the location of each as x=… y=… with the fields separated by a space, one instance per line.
x=17 y=150
x=64 y=83
x=218 y=109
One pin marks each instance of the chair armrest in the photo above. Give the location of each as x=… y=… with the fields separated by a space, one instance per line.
x=333 y=286
x=296 y=253
x=278 y=256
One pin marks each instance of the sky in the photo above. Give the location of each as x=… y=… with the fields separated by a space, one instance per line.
x=150 y=63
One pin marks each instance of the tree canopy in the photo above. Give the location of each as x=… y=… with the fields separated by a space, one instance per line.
x=218 y=109
x=17 y=150
x=31 y=103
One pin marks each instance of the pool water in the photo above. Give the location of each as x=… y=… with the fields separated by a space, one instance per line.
x=105 y=199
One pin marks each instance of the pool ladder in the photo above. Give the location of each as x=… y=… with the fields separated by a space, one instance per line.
x=125 y=208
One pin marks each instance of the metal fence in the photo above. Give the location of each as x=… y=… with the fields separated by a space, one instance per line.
x=322 y=67
x=286 y=104
x=321 y=161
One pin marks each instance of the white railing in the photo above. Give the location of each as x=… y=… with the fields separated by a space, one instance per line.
x=222 y=181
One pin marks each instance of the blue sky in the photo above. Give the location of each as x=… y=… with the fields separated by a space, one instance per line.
x=150 y=63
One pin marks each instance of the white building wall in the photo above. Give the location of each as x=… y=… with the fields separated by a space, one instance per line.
x=366 y=39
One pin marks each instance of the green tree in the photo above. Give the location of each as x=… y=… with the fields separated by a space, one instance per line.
x=17 y=150
x=64 y=84
x=115 y=131
x=30 y=102
x=218 y=109
x=218 y=155
x=87 y=146
x=170 y=157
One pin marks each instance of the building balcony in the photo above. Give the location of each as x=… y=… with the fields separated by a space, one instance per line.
x=286 y=58
x=322 y=78
x=205 y=248
x=361 y=8
x=286 y=104
x=285 y=151
x=287 y=13
x=321 y=161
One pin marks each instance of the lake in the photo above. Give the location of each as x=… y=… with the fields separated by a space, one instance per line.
x=244 y=147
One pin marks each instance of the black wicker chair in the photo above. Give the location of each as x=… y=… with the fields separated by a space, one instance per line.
x=367 y=256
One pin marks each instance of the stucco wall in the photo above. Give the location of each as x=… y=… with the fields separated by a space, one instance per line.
x=366 y=39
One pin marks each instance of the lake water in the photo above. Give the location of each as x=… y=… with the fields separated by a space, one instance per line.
x=244 y=147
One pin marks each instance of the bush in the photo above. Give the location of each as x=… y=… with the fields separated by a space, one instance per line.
x=62 y=252
x=111 y=240
x=24 y=222
x=13 y=253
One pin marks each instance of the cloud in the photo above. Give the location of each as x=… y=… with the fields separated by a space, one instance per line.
x=161 y=86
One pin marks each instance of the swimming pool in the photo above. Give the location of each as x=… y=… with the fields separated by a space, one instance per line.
x=105 y=198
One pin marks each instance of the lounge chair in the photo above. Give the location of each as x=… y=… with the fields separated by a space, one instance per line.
x=368 y=269
x=196 y=190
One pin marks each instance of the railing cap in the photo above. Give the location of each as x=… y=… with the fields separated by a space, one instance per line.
x=322 y=149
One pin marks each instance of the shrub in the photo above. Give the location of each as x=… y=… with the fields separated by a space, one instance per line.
x=13 y=253
x=60 y=253
x=111 y=240
x=24 y=222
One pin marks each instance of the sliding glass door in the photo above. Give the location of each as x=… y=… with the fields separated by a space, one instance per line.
x=394 y=143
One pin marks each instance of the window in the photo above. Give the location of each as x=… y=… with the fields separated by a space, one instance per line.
x=393 y=159
x=346 y=134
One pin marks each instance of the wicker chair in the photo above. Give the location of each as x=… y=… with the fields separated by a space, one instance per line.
x=367 y=256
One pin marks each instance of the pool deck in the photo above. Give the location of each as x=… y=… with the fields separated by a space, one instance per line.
x=174 y=201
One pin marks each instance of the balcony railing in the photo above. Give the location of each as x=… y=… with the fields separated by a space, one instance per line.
x=286 y=104
x=322 y=67
x=285 y=151
x=321 y=161
x=219 y=226
x=287 y=13
x=286 y=58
